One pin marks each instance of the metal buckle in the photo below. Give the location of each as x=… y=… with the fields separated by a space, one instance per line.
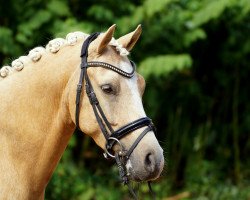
x=108 y=154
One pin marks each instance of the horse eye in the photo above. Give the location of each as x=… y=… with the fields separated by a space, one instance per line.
x=107 y=89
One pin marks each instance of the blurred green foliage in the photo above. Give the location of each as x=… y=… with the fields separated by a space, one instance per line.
x=194 y=55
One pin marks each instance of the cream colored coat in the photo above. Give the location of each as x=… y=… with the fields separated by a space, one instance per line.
x=37 y=109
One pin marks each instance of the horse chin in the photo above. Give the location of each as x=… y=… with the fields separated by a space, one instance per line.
x=133 y=176
x=142 y=175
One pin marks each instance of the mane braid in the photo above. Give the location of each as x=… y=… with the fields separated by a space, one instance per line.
x=53 y=46
x=35 y=54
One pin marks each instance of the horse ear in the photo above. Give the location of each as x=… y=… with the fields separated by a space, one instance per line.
x=128 y=41
x=105 y=38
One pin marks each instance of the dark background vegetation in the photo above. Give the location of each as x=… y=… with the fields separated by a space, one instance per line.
x=195 y=56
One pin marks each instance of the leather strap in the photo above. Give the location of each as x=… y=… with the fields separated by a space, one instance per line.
x=139 y=123
x=99 y=114
x=83 y=66
x=136 y=142
x=114 y=68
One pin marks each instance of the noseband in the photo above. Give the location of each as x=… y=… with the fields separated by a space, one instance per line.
x=112 y=136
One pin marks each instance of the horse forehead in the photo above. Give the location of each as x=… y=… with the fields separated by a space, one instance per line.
x=131 y=82
x=133 y=89
x=126 y=66
x=111 y=56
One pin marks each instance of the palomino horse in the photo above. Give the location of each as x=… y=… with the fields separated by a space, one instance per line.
x=38 y=111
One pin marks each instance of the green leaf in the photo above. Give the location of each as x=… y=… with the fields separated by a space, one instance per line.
x=147 y=10
x=62 y=28
x=164 y=64
x=100 y=13
x=8 y=45
x=210 y=10
x=245 y=4
x=194 y=35
x=26 y=29
x=59 y=8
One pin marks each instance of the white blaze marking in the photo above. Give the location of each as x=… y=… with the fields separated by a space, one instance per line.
x=128 y=165
x=132 y=85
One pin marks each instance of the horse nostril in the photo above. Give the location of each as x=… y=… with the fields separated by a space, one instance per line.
x=148 y=159
x=150 y=162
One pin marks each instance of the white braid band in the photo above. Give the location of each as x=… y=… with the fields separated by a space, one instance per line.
x=36 y=53
x=72 y=38
x=118 y=47
x=55 y=45
x=19 y=63
x=5 y=71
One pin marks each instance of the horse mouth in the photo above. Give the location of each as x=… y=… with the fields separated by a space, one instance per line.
x=144 y=174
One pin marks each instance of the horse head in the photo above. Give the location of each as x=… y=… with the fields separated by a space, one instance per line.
x=117 y=106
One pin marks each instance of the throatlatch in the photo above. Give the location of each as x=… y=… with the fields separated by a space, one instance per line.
x=112 y=136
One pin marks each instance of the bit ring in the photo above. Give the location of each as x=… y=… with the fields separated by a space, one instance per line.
x=108 y=147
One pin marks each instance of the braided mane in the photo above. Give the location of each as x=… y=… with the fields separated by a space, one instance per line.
x=53 y=46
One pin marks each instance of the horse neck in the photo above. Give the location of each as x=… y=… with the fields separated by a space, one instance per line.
x=36 y=124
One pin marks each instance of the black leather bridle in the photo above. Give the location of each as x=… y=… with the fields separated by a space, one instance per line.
x=112 y=136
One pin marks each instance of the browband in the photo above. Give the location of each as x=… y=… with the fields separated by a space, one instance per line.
x=114 y=68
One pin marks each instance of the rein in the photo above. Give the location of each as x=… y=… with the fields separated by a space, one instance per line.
x=112 y=136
